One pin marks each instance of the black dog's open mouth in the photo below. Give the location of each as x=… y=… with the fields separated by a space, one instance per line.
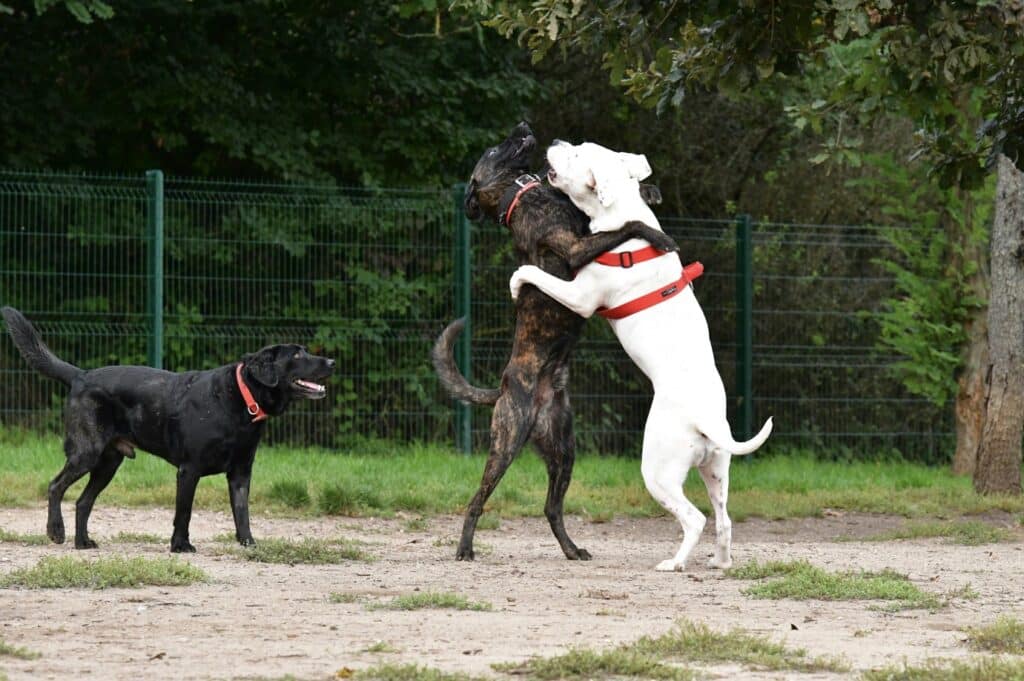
x=526 y=145
x=310 y=389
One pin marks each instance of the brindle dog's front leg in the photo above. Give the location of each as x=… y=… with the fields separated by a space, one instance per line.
x=577 y=251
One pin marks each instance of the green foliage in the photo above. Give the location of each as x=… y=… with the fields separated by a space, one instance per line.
x=308 y=551
x=979 y=669
x=924 y=322
x=1005 y=635
x=8 y=650
x=70 y=573
x=432 y=600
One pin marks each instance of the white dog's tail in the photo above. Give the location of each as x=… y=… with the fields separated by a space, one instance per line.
x=719 y=434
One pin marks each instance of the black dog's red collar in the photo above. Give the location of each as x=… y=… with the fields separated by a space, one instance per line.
x=525 y=183
x=251 y=405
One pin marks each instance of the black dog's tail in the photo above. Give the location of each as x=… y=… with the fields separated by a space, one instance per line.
x=34 y=350
x=443 y=357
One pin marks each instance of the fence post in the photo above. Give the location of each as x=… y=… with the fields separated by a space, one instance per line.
x=744 y=327
x=155 y=269
x=463 y=301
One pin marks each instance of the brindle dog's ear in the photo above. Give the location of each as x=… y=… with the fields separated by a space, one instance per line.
x=471 y=204
x=650 y=194
x=261 y=366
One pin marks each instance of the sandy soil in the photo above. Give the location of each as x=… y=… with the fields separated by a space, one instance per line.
x=258 y=620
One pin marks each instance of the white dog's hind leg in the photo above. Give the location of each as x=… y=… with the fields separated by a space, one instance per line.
x=716 y=478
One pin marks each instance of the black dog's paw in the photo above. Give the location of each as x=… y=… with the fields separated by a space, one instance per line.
x=465 y=554
x=86 y=544
x=246 y=541
x=182 y=546
x=582 y=554
x=665 y=243
x=55 y=531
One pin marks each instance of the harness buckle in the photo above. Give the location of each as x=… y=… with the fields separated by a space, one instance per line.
x=253 y=409
x=626 y=259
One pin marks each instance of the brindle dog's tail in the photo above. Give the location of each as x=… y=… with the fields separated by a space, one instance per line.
x=34 y=350
x=443 y=357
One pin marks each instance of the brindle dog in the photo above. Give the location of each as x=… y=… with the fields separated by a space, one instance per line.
x=533 y=401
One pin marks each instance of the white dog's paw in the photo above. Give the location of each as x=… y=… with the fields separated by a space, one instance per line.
x=516 y=283
x=717 y=564
x=669 y=565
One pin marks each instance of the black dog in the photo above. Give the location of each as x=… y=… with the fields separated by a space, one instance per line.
x=533 y=401
x=203 y=422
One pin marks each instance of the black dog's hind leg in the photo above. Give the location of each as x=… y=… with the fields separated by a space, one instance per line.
x=557 y=445
x=511 y=423
x=187 y=481
x=99 y=478
x=73 y=471
x=238 y=491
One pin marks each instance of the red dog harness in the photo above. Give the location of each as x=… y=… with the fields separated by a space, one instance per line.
x=627 y=259
x=253 y=407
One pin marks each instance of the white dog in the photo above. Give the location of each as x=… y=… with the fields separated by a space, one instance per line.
x=668 y=340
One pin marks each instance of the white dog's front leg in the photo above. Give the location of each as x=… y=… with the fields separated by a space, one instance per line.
x=568 y=293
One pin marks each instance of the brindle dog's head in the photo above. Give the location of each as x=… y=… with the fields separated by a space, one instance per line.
x=496 y=170
x=291 y=370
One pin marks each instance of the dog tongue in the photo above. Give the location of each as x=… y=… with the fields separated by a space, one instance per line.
x=312 y=386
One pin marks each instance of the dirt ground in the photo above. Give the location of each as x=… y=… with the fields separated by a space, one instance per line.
x=259 y=620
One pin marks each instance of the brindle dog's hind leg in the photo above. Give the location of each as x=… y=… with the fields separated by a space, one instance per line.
x=511 y=424
x=557 y=445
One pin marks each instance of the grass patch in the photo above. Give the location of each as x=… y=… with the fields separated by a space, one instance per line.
x=9 y=537
x=980 y=669
x=7 y=650
x=338 y=597
x=65 y=573
x=305 y=552
x=416 y=524
x=410 y=672
x=661 y=657
x=381 y=647
x=799 y=580
x=138 y=538
x=489 y=521
x=431 y=600
x=967 y=533
x=1005 y=635
x=381 y=478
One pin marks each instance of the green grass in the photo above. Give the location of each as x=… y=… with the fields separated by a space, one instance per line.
x=7 y=650
x=980 y=669
x=967 y=533
x=65 y=572
x=431 y=600
x=305 y=552
x=8 y=537
x=382 y=478
x=381 y=647
x=139 y=538
x=339 y=597
x=1005 y=635
x=653 y=658
x=410 y=672
x=799 y=580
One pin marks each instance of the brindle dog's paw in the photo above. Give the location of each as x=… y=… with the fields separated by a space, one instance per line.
x=246 y=541
x=85 y=544
x=579 y=554
x=465 y=554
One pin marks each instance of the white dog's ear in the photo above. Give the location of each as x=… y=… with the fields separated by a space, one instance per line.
x=603 y=182
x=636 y=165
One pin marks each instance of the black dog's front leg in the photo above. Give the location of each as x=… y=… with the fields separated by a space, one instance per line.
x=187 y=481
x=238 y=491
x=578 y=251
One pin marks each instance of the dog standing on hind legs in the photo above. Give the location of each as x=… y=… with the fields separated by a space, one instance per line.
x=202 y=422
x=647 y=299
x=533 y=401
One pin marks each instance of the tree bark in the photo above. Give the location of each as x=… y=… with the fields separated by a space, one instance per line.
x=999 y=455
x=970 y=397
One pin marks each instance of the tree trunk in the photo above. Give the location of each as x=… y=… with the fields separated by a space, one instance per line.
x=970 y=397
x=999 y=455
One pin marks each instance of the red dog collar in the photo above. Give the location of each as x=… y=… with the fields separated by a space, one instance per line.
x=251 y=406
x=690 y=272
x=629 y=258
x=526 y=183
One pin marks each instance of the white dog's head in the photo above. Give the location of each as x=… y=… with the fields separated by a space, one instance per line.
x=595 y=178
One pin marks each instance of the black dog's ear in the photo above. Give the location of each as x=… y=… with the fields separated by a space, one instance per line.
x=261 y=366
x=650 y=194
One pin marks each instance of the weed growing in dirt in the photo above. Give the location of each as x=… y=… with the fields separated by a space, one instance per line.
x=308 y=551
x=65 y=572
x=1005 y=635
x=416 y=524
x=410 y=672
x=979 y=669
x=138 y=538
x=381 y=647
x=581 y=663
x=431 y=599
x=24 y=539
x=291 y=493
x=968 y=533
x=800 y=580
x=7 y=650
x=488 y=521
x=338 y=597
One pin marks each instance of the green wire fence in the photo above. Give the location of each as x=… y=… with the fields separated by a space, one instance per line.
x=192 y=274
